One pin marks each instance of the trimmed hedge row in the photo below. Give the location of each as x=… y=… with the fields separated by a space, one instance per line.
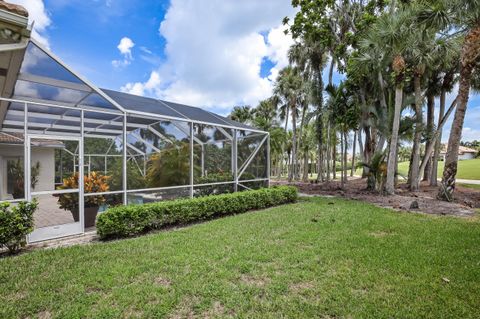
x=131 y=220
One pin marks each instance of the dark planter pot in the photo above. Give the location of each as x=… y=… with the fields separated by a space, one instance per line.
x=90 y=215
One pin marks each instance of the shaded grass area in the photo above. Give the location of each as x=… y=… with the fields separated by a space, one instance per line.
x=316 y=258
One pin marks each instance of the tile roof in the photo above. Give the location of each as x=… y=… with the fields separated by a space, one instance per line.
x=17 y=138
x=13 y=8
x=461 y=149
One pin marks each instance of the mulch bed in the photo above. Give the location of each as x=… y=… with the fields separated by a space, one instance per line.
x=464 y=205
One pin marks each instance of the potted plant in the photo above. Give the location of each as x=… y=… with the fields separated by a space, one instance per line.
x=93 y=183
x=15 y=172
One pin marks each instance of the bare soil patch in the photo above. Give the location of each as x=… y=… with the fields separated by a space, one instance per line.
x=254 y=281
x=162 y=281
x=301 y=287
x=464 y=204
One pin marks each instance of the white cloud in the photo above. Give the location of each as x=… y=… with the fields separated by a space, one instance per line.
x=39 y=16
x=278 y=46
x=152 y=84
x=146 y=50
x=470 y=134
x=215 y=50
x=125 y=47
x=472 y=116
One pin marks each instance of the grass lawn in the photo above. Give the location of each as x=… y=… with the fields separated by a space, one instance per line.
x=467 y=169
x=326 y=258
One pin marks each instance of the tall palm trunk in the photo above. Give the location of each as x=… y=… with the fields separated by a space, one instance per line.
x=367 y=151
x=381 y=82
x=302 y=137
x=280 y=164
x=286 y=131
x=305 y=166
x=319 y=128
x=319 y=163
x=396 y=166
x=469 y=57
x=383 y=103
x=429 y=149
x=319 y=119
x=334 y=154
x=430 y=118
x=330 y=72
x=360 y=147
x=409 y=174
x=353 y=153
x=438 y=142
x=392 y=154
x=342 y=142
x=327 y=151
x=289 y=162
x=293 y=172
x=345 y=139
x=414 y=165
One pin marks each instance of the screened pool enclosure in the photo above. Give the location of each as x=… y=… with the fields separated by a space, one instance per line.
x=82 y=149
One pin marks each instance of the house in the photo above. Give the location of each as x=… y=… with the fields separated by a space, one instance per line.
x=464 y=153
x=138 y=149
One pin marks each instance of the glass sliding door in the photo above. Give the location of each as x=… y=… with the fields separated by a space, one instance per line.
x=55 y=171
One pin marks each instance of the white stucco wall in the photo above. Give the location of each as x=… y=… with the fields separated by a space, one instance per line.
x=7 y=151
x=46 y=157
x=46 y=178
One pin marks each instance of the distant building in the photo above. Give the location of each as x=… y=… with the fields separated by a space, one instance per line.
x=464 y=153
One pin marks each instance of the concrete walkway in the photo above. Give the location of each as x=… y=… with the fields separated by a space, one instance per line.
x=466 y=181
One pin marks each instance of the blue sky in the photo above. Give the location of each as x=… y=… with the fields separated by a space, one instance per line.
x=85 y=34
x=214 y=54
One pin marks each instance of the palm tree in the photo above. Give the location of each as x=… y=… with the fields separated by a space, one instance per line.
x=343 y=105
x=242 y=114
x=169 y=168
x=392 y=32
x=420 y=57
x=441 y=72
x=432 y=90
x=310 y=58
x=307 y=147
x=288 y=87
x=373 y=114
x=278 y=138
x=265 y=117
x=466 y=16
x=449 y=67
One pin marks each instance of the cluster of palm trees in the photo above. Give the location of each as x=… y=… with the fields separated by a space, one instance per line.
x=396 y=61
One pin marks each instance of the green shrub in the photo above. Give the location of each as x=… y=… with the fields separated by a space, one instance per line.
x=125 y=221
x=16 y=223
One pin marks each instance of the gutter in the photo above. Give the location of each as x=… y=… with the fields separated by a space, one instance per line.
x=15 y=46
x=13 y=18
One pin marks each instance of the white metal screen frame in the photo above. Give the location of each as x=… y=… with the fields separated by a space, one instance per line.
x=62 y=230
x=236 y=171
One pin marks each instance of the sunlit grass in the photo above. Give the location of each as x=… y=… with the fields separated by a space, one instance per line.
x=467 y=169
x=327 y=258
